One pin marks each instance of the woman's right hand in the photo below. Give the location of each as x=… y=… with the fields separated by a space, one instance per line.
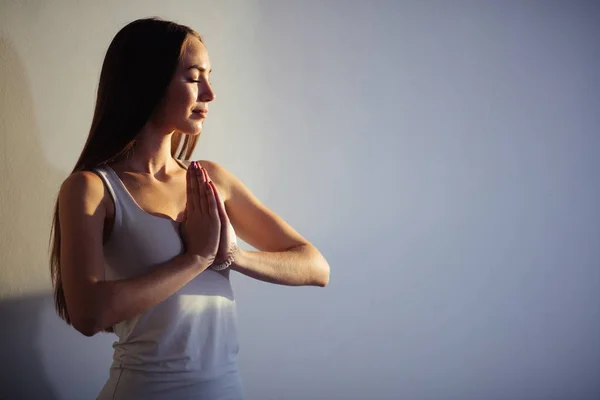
x=201 y=225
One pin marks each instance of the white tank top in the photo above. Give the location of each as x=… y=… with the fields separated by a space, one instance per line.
x=186 y=346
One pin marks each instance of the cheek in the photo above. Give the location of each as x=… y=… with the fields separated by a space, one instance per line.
x=187 y=93
x=192 y=93
x=181 y=96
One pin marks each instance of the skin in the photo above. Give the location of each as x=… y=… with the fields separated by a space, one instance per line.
x=225 y=207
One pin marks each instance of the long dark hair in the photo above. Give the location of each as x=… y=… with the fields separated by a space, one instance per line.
x=137 y=69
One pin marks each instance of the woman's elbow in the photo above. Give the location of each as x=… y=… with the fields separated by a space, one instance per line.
x=87 y=326
x=86 y=320
x=321 y=273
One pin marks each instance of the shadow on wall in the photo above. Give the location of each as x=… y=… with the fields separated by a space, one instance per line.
x=44 y=358
x=27 y=182
x=21 y=371
x=41 y=357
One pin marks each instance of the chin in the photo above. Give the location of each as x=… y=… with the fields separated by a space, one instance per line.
x=191 y=131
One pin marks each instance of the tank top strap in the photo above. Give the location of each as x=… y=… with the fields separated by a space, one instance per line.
x=115 y=191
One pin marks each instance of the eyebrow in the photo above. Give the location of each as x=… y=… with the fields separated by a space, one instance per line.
x=199 y=68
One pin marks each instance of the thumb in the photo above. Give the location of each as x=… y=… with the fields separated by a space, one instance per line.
x=185 y=212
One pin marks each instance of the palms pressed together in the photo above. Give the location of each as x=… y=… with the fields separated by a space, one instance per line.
x=206 y=216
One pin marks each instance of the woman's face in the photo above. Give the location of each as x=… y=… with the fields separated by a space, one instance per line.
x=185 y=104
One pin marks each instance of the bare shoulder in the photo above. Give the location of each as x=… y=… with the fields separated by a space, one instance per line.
x=83 y=191
x=222 y=178
x=213 y=168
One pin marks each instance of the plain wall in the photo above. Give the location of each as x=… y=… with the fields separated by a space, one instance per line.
x=443 y=156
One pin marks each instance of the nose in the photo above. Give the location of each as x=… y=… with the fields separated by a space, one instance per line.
x=206 y=93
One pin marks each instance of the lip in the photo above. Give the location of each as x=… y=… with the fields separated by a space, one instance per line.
x=200 y=112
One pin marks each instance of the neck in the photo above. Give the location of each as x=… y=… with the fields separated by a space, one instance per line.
x=152 y=154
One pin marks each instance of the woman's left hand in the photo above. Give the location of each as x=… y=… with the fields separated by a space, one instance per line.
x=228 y=241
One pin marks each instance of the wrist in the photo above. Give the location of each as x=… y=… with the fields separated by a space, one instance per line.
x=221 y=265
x=200 y=262
x=239 y=259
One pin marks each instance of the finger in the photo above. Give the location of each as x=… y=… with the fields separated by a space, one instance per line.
x=202 y=190
x=220 y=205
x=205 y=172
x=212 y=201
x=213 y=188
x=190 y=188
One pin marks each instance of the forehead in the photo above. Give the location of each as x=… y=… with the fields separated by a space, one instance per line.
x=195 y=54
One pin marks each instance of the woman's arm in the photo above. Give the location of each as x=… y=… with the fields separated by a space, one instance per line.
x=92 y=302
x=284 y=256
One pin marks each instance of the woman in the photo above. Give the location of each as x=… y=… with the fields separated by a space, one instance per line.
x=143 y=240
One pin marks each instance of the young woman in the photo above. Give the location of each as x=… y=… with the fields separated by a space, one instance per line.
x=144 y=239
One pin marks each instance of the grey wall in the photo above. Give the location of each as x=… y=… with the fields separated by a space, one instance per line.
x=442 y=155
